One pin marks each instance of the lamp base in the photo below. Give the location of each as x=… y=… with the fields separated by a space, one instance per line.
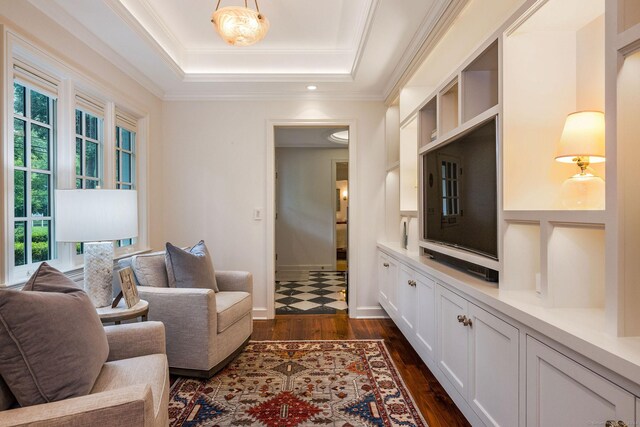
x=98 y=272
x=583 y=191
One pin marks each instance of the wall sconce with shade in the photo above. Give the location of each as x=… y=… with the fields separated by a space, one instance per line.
x=582 y=143
x=240 y=26
x=97 y=218
x=345 y=193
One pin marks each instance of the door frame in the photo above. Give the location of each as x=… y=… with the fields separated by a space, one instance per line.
x=271 y=206
x=334 y=179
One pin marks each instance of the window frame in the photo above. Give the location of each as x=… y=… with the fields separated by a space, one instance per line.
x=28 y=219
x=125 y=123
x=29 y=64
x=84 y=139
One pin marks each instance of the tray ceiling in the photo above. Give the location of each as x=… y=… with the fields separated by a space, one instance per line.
x=348 y=48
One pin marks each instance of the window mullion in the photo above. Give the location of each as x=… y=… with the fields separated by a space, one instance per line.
x=27 y=178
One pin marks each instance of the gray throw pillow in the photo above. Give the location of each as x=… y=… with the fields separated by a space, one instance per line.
x=191 y=268
x=150 y=269
x=52 y=343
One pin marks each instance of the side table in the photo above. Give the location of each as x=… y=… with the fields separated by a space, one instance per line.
x=122 y=312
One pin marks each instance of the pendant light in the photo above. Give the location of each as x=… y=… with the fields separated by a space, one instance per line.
x=240 y=26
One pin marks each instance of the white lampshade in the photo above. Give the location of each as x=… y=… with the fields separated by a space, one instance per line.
x=96 y=215
x=582 y=136
x=240 y=26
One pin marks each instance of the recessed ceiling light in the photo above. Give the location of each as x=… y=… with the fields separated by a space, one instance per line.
x=312 y=87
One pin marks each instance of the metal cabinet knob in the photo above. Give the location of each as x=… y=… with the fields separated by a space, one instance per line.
x=464 y=320
x=616 y=423
x=386 y=264
x=411 y=282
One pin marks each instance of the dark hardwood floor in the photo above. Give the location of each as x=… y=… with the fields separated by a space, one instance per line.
x=433 y=401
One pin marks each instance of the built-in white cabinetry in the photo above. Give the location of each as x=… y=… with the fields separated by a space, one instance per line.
x=416 y=315
x=453 y=342
x=425 y=331
x=387 y=283
x=493 y=368
x=478 y=353
x=472 y=350
x=407 y=301
x=562 y=392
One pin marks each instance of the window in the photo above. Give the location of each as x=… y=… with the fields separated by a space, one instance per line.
x=33 y=160
x=88 y=150
x=125 y=165
x=449 y=173
x=66 y=133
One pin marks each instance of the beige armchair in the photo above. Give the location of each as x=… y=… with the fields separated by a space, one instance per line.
x=131 y=390
x=205 y=330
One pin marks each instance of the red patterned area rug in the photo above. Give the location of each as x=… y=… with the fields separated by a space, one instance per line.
x=299 y=383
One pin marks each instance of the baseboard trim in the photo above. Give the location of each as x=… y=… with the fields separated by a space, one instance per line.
x=371 y=312
x=260 y=313
x=308 y=267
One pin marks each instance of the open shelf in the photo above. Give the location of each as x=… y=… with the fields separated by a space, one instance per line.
x=521 y=259
x=409 y=166
x=553 y=65
x=480 y=83
x=392 y=135
x=576 y=267
x=628 y=176
x=449 y=110
x=429 y=122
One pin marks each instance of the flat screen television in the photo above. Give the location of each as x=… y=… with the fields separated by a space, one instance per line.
x=460 y=192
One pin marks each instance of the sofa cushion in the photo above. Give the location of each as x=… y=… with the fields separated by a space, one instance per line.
x=191 y=268
x=150 y=269
x=231 y=307
x=151 y=369
x=52 y=343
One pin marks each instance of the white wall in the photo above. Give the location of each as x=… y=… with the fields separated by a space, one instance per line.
x=214 y=175
x=305 y=193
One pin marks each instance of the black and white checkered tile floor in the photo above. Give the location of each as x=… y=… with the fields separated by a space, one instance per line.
x=323 y=292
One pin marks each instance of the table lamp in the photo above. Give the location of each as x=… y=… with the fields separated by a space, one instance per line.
x=96 y=218
x=582 y=143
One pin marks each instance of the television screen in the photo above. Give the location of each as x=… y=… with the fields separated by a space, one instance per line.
x=460 y=192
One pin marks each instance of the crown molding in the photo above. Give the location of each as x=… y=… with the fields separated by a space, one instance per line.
x=267 y=78
x=431 y=31
x=272 y=96
x=123 y=13
x=365 y=37
x=78 y=30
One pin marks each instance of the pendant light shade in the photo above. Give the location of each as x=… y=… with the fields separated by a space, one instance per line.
x=240 y=26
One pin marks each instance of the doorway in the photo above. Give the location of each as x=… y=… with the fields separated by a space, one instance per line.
x=311 y=219
x=342 y=215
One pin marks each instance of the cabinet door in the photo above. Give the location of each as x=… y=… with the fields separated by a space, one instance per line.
x=453 y=344
x=387 y=282
x=425 y=316
x=383 y=282
x=561 y=392
x=407 y=300
x=493 y=358
x=392 y=289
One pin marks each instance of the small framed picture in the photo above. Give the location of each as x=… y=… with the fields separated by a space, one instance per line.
x=128 y=286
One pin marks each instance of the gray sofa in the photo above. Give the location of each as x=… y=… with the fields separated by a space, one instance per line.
x=131 y=390
x=205 y=329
